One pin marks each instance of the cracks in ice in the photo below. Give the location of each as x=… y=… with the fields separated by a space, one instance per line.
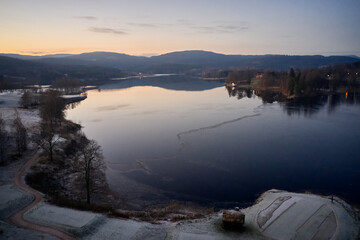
x=139 y=164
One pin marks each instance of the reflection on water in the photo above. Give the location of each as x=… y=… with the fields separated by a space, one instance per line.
x=176 y=82
x=73 y=105
x=305 y=105
x=209 y=144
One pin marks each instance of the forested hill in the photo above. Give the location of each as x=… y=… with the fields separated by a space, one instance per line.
x=100 y=66
x=190 y=59
x=185 y=60
x=35 y=72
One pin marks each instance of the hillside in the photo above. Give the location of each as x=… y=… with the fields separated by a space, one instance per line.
x=100 y=66
x=36 y=72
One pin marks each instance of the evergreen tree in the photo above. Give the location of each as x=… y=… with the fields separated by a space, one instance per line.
x=291 y=79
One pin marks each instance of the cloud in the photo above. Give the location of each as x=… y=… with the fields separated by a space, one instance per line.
x=181 y=20
x=34 y=52
x=146 y=25
x=106 y=30
x=232 y=27
x=185 y=22
x=216 y=26
x=220 y=28
x=201 y=29
x=45 y=52
x=86 y=17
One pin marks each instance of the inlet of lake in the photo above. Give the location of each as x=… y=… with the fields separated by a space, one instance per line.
x=181 y=138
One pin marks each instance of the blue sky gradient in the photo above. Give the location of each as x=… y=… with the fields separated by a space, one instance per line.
x=142 y=27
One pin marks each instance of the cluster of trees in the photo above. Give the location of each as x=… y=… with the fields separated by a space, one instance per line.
x=52 y=112
x=29 y=98
x=33 y=96
x=10 y=83
x=220 y=74
x=303 y=82
x=38 y=72
x=20 y=135
x=67 y=85
x=273 y=79
x=52 y=107
x=88 y=163
x=3 y=142
x=241 y=77
x=332 y=79
x=309 y=81
x=17 y=137
x=86 y=155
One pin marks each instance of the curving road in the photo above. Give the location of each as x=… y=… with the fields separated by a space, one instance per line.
x=17 y=218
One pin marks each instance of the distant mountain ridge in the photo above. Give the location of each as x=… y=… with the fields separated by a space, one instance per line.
x=33 y=57
x=188 y=60
x=109 y=64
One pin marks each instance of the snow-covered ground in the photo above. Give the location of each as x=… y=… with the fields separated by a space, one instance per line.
x=10 y=98
x=73 y=221
x=9 y=109
x=9 y=103
x=295 y=216
x=29 y=117
x=12 y=199
x=9 y=231
x=302 y=216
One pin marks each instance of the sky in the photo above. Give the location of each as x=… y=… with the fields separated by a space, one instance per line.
x=153 y=27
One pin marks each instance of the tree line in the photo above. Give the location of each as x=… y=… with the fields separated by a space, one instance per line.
x=302 y=82
x=84 y=158
x=68 y=85
x=37 y=72
x=62 y=143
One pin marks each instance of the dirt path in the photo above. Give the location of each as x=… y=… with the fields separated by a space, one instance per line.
x=18 y=219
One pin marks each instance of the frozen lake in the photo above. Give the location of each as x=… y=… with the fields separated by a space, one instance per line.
x=199 y=141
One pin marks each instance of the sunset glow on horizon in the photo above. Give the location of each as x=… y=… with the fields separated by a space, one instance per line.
x=155 y=27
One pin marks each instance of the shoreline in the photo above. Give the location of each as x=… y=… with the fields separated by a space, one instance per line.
x=161 y=203
x=278 y=90
x=40 y=213
x=262 y=220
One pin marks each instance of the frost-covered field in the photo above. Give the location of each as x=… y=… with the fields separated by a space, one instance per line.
x=29 y=117
x=11 y=199
x=9 y=107
x=10 y=98
x=301 y=216
x=9 y=231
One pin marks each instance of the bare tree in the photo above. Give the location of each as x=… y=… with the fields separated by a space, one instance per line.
x=20 y=134
x=68 y=85
x=52 y=107
x=25 y=100
x=3 y=141
x=89 y=162
x=29 y=99
x=47 y=139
